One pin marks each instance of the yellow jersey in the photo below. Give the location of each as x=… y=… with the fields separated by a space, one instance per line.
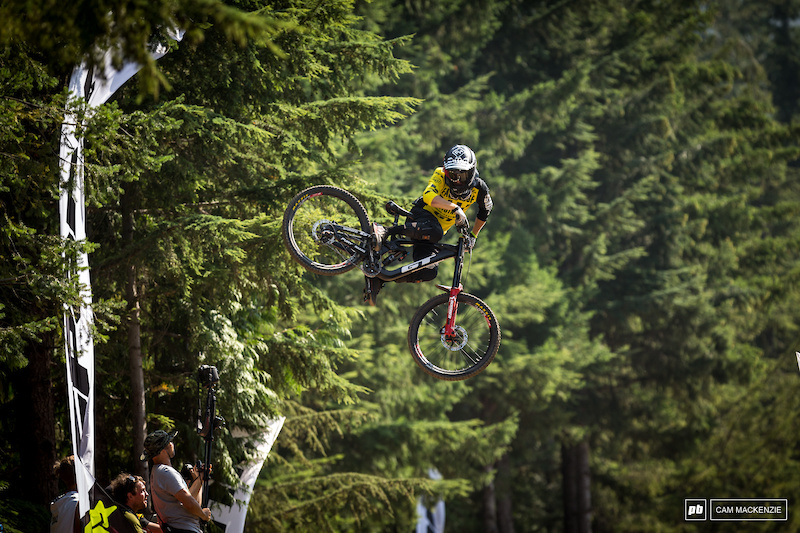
x=437 y=186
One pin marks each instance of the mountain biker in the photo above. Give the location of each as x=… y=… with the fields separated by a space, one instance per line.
x=452 y=188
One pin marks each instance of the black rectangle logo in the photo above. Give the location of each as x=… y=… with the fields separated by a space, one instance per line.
x=748 y=509
x=695 y=509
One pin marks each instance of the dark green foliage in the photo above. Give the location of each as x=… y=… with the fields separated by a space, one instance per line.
x=63 y=35
x=213 y=281
x=34 y=284
x=634 y=167
x=640 y=259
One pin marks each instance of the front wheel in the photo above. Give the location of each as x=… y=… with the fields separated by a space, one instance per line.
x=325 y=229
x=464 y=353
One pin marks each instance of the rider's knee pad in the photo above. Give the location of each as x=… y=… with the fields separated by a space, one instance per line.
x=424 y=230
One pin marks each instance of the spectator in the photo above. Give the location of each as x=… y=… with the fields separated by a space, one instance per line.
x=130 y=493
x=176 y=505
x=65 y=516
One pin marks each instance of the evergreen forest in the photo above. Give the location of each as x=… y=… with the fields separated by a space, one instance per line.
x=642 y=257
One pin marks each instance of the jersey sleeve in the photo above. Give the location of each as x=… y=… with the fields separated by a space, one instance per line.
x=484 y=202
x=435 y=186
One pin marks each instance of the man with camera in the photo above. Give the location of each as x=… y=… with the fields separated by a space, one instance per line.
x=176 y=504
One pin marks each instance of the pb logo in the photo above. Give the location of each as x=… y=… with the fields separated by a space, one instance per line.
x=695 y=510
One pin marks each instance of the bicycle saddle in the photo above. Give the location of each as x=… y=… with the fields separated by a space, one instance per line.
x=394 y=209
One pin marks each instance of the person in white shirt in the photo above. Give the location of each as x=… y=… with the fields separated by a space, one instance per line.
x=65 y=517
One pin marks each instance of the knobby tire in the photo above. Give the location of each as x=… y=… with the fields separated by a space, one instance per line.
x=462 y=356
x=321 y=229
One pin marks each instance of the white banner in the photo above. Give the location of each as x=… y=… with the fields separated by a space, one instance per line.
x=430 y=520
x=95 y=90
x=234 y=516
x=77 y=322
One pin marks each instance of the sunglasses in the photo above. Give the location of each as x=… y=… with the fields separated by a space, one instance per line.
x=458 y=176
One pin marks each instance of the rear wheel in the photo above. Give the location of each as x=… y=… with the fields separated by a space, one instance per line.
x=326 y=230
x=468 y=351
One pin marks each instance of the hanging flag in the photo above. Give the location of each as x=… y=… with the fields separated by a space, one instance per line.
x=430 y=520
x=77 y=321
x=95 y=90
x=106 y=515
x=233 y=516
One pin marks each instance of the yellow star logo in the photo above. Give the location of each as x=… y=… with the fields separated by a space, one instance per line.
x=98 y=518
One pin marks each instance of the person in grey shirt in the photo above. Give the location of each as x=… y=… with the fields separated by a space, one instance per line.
x=175 y=503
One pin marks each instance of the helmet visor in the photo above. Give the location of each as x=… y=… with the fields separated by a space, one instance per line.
x=459 y=177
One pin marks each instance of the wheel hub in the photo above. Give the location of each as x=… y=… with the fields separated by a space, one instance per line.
x=322 y=232
x=456 y=341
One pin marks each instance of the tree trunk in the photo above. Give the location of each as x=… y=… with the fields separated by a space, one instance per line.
x=103 y=438
x=489 y=507
x=36 y=423
x=134 y=343
x=786 y=84
x=570 y=489
x=577 y=488
x=584 y=489
x=137 y=373
x=505 y=519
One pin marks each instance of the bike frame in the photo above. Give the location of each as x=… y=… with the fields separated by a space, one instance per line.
x=443 y=252
x=452 y=336
x=359 y=243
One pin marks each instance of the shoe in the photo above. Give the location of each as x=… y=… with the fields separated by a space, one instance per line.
x=378 y=233
x=371 y=289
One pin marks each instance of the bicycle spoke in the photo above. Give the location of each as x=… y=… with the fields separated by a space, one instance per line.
x=471 y=345
x=324 y=227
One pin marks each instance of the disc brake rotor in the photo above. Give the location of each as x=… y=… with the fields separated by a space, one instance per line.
x=457 y=340
x=323 y=232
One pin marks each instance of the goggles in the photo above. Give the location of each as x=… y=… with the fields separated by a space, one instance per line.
x=458 y=176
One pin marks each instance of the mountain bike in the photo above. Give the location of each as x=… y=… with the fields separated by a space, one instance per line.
x=452 y=336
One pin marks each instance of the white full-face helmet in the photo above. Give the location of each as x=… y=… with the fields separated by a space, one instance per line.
x=459 y=168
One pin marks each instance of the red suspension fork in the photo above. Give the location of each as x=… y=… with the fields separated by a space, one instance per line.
x=455 y=289
x=452 y=310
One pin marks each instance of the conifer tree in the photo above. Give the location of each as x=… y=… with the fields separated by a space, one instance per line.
x=640 y=257
x=244 y=136
x=41 y=45
x=615 y=142
x=195 y=191
x=33 y=272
